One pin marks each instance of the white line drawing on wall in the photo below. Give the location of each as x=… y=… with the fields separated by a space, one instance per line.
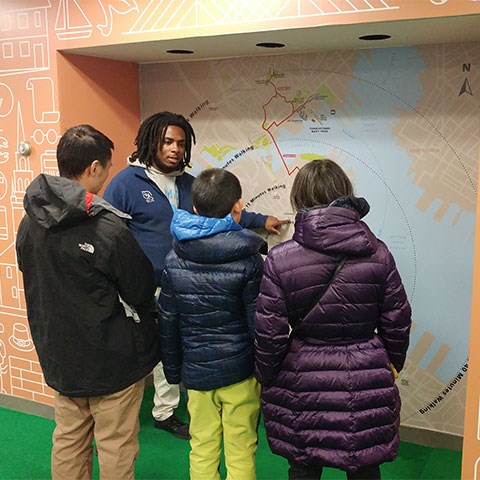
x=24 y=43
x=49 y=162
x=6 y=100
x=3 y=360
x=23 y=174
x=166 y=15
x=4 y=154
x=3 y=186
x=11 y=287
x=20 y=338
x=3 y=223
x=475 y=474
x=3 y=208
x=43 y=100
x=10 y=300
x=26 y=377
x=110 y=7
x=51 y=136
x=71 y=22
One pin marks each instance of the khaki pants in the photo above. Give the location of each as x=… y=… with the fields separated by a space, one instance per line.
x=112 y=420
x=229 y=413
x=166 y=396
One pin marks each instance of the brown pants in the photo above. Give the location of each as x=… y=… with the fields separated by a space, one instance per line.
x=112 y=420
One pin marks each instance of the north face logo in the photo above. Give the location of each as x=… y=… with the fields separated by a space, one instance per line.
x=147 y=195
x=86 y=247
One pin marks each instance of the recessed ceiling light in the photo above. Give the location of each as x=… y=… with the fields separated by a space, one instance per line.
x=180 y=52
x=270 y=45
x=376 y=36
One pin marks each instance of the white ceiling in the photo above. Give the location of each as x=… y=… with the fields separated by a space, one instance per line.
x=439 y=30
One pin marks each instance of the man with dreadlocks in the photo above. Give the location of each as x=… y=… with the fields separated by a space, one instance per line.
x=152 y=186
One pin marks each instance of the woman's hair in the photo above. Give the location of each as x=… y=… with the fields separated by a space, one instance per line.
x=152 y=133
x=319 y=182
x=215 y=191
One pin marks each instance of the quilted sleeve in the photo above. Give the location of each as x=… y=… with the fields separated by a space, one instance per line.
x=395 y=316
x=170 y=337
x=271 y=326
x=250 y=292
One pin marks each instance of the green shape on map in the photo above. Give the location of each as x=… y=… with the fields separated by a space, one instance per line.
x=217 y=152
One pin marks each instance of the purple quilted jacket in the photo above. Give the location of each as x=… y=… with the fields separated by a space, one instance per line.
x=329 y=399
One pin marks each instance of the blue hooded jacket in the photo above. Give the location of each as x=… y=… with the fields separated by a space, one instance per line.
x=206 y=307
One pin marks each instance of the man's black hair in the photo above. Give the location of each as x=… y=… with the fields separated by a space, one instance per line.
x=215 y=191
x=151 y=134
x=79 y=147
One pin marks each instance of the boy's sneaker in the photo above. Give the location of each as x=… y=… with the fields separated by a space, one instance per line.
x=174 y=426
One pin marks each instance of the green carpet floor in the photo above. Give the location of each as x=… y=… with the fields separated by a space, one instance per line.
x=25 y=443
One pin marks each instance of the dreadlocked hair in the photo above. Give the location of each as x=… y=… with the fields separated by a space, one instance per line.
x=152 y=133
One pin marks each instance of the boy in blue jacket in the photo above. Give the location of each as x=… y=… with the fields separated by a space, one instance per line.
x=206 y=308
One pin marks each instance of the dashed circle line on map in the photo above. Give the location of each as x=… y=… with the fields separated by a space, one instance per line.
x=387 y=187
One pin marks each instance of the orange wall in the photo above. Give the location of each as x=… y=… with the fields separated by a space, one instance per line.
x=109 y=99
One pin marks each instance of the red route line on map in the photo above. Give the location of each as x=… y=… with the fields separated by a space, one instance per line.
x=294 y=110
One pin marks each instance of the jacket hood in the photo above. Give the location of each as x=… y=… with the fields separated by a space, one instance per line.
x=212 y=240
x=336 y=228
x=137 y=163
x=57 y=202
x=187 y=226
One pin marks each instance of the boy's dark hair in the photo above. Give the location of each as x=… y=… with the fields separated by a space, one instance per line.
x=152 y=133
x=319 y=182
x=79 y=147
x=214 y=192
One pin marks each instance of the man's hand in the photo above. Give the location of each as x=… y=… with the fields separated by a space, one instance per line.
x=272 y=224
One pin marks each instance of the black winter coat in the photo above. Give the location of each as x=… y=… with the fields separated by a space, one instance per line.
x=77 y=257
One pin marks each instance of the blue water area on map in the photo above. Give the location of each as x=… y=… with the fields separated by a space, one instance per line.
x=434 y=257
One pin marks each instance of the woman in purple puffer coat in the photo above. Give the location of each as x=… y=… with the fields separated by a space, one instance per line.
x=329 y=396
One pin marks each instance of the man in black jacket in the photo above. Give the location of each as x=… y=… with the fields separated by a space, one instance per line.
x=89 y=290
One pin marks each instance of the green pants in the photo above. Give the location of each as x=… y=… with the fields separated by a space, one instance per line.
x=229 y=413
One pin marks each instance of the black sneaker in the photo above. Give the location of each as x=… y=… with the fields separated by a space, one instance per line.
x=174 y=426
